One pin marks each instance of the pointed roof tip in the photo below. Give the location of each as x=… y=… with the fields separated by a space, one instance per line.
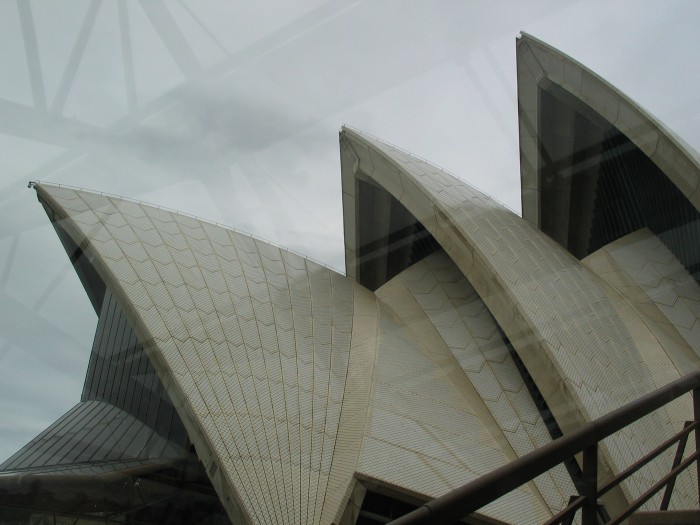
x=524 y=36
x=41 y=184
x=345 y=129
x=670 y=152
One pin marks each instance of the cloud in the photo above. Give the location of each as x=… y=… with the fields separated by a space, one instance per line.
x=253 y=141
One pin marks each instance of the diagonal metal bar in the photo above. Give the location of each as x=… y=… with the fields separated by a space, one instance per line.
x=31 y=49
x=469 y=498
x=9 y=262
x=127 y=56
x=202 y=26
x=589 y=514
x=172 y=37
x=76 y=55
x=566 y=515
x=51 y=287
x=41 y=334
x=656 y=487
x=696 y=418
x=619 y=478
x=676 y=461
x=26 y=122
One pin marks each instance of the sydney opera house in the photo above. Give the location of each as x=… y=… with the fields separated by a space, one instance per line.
x=232 y=381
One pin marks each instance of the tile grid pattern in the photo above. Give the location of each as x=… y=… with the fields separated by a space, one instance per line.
x=427 y=430
x=568 y=315
x=471 y=333
x=257 y=339
x=666 y=283
x=351 y=429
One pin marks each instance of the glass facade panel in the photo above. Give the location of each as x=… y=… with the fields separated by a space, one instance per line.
x=598 y=186
x=390 y=238
x=120 y=455
x=127 y=379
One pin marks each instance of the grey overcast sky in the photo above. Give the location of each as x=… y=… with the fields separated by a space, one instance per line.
x=231 y=110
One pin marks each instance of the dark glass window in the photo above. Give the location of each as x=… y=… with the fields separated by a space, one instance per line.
x=121 y=374
x=597 y=186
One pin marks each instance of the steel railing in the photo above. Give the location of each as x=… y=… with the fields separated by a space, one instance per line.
x=469 y=498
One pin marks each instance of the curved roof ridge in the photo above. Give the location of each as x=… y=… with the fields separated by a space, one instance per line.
x=690 y=150
x=383 y=142
x=540 y=66
x=191 y=216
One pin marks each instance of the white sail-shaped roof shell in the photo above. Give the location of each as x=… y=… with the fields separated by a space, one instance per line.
x=254 y=345
x=587 y=352
x=295 y=383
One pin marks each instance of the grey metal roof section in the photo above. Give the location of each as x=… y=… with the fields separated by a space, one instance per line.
x=541 y=66
x=86 y=471
x=120 y=373
x=555 y=312
x=90 y=433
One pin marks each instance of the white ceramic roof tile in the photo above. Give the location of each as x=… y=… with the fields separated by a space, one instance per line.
x=83 y=203
x=207 y=316
x=409 y=394
x=90 y=221
x=641 y=267
x=176 y=242
x=316 y=329
x=158 y=253
x=164 y=217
